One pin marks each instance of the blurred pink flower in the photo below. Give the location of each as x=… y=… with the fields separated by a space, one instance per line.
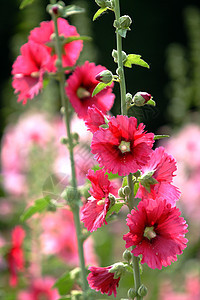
x=44 y=36
x=59 y=237
x=191 y=290
x=40 y=288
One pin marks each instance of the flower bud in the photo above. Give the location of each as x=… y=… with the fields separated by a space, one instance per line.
x=126 y=190
x=115 y=56
x=70 y=194
x=64 y=140
x=121 y=193
x=112 y=199
x=142 y=291
x=129 y=99
x=124 y=22
x=103 y=3
x=105 y=76
x=127 y=255
x=132 y=293
x=141 y=98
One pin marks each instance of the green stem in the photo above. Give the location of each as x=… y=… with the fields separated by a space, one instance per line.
x=135 y=260
x=65 y=104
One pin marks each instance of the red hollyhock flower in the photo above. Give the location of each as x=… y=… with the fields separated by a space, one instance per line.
x=157 y=231
x=80 y=86
x=164 y=166
x=44 y=36
x=15 y=255
x=94 y=211
x=101 y=280
x=122 y=148
x=28 y=70
x=95 y=118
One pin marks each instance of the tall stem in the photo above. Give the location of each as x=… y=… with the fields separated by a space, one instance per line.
x=65 y=104
x=135 y=261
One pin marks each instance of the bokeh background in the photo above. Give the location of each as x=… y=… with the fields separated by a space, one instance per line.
x=167 y=35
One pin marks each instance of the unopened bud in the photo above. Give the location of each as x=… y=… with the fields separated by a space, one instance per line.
x=70 y=194
x=103 y=3
x=121 y=192
x=64 y=140
x=126 y=190
x=105 y=76
x=124 y=22
x=115 y=56
x=141 y=98
x=112 y=199
x=132 y=293
x=129 y=98
x=142 y=291
x=127 y=255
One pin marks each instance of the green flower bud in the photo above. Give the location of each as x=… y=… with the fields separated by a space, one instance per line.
x=127 y=255
x=142 y=291
x=64 y=140
x=121 y=193
x=70 y=194
x=126 y=190
x=105 y=76
x=141 y=98
x=115 y=56
x=112 y=199
x=129 y=99
x=124 y=22
x=132 y=293
x=103 y=3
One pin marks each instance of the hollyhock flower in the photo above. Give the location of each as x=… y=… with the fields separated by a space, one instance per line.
x=15 y=255
x=40 y=288
x=123 y=147
x=44 y=36
x=164 y=166
x=58 y=237
x=93 y=213
x=80 y=86
x=100 y=279
x=28 y=70
x=157 y=231
x=95 y=118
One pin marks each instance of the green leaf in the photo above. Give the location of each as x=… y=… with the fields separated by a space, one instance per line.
x=99 y=12
x=136 y=187
x=151 y=102
x=134 y=59
x=125 y=181
x=24 y=3
x=100 y=86
x=77 y=38
x=122 y=32
x=160 y=136
x=115 y=208
x=39 y=206
x=65 y=283
x=71 y=10
x=65 y=298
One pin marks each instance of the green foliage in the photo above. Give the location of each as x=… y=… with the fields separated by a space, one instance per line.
x=99 y=12
x=100 y=86
x=72 y=10
x=135 y=59
x=160 y=136
x=65 y=283
x=151 y=102
x=24 y=3
x=77 y=38
x=39 y=206
x=114 y=209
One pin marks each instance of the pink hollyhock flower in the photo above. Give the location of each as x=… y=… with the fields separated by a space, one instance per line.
x=15 y=255
x=100 y=279
x=80 y=86
x=44 y=36
x=95 y=118
x=164 y=166
x=28 y=70
x=41 y=288
x=93 y=213
x=123 y=147
x=59 y=238
x=157 y=231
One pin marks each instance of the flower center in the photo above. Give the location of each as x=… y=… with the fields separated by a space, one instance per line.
x=124 y=146
x=149 y=233
x=101 y=202
x=35 y=74
x=82 y=93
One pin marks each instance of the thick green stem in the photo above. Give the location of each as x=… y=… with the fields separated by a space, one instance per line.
x=65 y=104
x=135 y=261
